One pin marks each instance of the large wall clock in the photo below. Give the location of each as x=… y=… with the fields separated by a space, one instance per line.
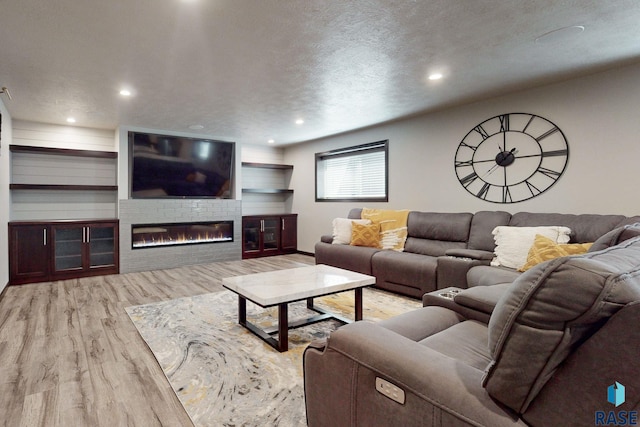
x=511 y=157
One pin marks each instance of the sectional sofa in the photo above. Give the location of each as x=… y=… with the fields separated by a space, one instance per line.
x=453 y=249
x=558 y=349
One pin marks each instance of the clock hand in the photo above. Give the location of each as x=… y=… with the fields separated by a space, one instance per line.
x=512 y=152
x=490 y=170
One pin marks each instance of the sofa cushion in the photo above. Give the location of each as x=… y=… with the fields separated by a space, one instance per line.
x=548 y=311
x=452 y=227
x=513 y=243
x=434 y=233
x=354 y=258
x=415 y=271
x=481 y=298
x=577 y=389
x=545 y=249
x=616 y=236
x=482 y=225
x=484 y=275
x=584 y=227
x=465 y=341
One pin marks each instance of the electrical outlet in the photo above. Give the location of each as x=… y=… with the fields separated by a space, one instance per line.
x=392 y=391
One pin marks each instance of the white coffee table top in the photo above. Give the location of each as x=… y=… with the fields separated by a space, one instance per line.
x=275 y=287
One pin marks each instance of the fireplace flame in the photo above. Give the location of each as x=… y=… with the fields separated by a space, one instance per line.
x=169 y=235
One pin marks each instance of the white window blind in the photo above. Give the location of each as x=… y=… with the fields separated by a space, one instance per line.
x=354 y=173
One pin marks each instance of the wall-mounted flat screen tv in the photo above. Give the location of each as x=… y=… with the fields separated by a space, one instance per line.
x=163 y=166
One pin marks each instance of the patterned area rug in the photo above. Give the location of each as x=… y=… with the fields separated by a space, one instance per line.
x=226 y=376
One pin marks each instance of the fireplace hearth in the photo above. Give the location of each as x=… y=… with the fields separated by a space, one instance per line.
x=161 y=235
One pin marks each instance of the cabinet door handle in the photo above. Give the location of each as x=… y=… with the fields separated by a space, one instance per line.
x=88 y=234
x=282 y=219
x=262 y=225
x=44 y=237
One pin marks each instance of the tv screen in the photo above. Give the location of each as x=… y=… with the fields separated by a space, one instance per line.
x=180 y=167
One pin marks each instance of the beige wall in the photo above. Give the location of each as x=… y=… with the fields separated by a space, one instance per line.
x=597 y=113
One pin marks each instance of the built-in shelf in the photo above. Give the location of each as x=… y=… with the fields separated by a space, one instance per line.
x=267 y=165
x=68 y=183
x=267 y=190
x=281 y=172
x=63 y=151
x=63 y=187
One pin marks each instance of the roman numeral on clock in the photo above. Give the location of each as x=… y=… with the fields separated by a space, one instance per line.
x=473 y=147
x=555 y=153
x=483 y=133
x=463 y=163
x=533 y=189
x=547 y=133
x=548 y=172
x=506 y=195
x=467 y=180
x=504 y=122
x=484 y=190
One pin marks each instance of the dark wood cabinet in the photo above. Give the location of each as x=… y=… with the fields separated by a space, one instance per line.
x=289 y=233
x=61 y=250
x=29 y=253
x=265 y=235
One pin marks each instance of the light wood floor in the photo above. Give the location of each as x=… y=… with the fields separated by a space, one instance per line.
x=70 y=356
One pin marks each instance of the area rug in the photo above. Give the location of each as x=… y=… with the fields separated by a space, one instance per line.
x=226 y=376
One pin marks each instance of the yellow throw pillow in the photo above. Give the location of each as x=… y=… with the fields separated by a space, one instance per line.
x=365 y=235
x=545 y=249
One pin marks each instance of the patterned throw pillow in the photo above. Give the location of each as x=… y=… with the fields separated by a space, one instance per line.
x=513 y=243
x=365 y=235
x=545 y=249
x=342 y=229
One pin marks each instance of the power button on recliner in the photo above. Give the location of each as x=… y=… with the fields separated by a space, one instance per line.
x=390 y=390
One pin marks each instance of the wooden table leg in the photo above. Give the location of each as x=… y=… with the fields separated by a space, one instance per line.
x=358 y=303
x=283 y=327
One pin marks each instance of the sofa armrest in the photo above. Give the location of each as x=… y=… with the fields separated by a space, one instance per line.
x=340 y=383
x=436 y=299
x=470 y=253
x=326 y=238
x=452 y=270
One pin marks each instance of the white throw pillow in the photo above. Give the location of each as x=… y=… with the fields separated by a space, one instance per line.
x=513 y=243
x=342 y=230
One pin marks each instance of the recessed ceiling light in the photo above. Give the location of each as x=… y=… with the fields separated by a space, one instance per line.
x=196 y=127
x=435 y=76
x=560 y=34
x=271 y=141
x=125 y=92
x=299 y=121
x=71 y=120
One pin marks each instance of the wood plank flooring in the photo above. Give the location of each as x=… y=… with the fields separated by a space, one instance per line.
x=70 y=356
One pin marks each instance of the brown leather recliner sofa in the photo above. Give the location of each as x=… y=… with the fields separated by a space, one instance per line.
x=560 y=336
x=452 y=249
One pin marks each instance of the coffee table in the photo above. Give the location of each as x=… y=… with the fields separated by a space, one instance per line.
x=281 y=287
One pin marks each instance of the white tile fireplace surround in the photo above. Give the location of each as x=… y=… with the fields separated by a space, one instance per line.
x=167 y=211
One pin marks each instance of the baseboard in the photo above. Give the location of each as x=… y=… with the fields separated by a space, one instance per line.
x=306 y=253
x=6 y=285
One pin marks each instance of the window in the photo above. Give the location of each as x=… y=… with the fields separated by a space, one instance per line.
x=353 y=174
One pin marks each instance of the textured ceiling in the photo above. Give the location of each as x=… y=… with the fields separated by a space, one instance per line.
x=247 y=69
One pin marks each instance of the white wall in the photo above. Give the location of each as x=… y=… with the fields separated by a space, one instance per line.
x=5 y=140
x=598 y=115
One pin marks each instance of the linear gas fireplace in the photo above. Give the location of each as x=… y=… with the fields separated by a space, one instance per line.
x=155 y=235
